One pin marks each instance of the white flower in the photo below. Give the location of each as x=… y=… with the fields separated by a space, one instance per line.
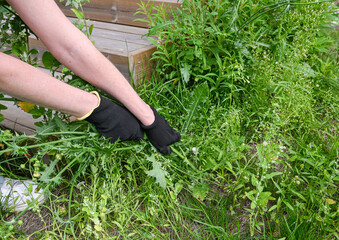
x=194 y=149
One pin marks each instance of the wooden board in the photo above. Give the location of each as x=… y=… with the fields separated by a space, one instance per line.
x=17 y=119
x=117 y=11
x=119 y=44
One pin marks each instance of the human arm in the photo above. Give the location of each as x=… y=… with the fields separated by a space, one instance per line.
x=73 y=49
x=28 y=83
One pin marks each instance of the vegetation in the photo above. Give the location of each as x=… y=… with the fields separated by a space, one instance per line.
x=253 y=88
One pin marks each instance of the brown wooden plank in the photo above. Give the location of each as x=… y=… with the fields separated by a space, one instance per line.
x=116 y=11
x=116 y=36
x=141 y=67
x=116 y=27
x=17 y=119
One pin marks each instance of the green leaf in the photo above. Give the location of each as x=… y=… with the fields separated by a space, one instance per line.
x=186 y=72
x=200 y=95
x=262 y=202
x=90 y=29
x=178 y=187
x=94 y=169
x=273 y=174
x=254 y=180
x=49 y=61
x=33 y=51
x=264 y=195
x=46 y=128
x=46 y=175
x=157 y=172
x=299 y=195
x=3 y=107
x=289 y=205
x=250 y=194
x=200 y=191
x=62 y=125
x=78 y=13
x=159 y=27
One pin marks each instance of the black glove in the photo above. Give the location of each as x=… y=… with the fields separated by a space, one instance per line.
x=115 y=122
x=161 y=134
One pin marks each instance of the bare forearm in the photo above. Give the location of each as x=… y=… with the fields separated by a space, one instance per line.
x=27 y=83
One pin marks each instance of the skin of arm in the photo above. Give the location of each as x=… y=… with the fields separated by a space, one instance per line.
x=73 y=49
x=27 y=83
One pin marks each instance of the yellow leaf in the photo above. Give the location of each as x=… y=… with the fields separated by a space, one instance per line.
x=175 y=81
x=36 y=174
x=26 y=106
x=98 y=228
x=330 y=201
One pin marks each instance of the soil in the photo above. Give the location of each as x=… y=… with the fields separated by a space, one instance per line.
x=33 y=224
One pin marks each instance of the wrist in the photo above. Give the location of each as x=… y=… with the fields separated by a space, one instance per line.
x=94 y=103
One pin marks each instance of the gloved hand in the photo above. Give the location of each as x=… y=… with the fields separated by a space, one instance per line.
x=161 y=134
x=115 y=122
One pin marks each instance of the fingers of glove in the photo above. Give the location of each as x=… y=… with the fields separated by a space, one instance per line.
x=163 y=137
x=175 y=136
x=165 y=150
x=172 y=137
x=161 y=134
x=139 y=135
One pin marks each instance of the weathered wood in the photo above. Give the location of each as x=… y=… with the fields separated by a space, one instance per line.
x=117 y=11
x=141 y=65
x=17 y=119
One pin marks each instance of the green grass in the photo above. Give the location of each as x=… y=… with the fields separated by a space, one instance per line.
x=259 y=152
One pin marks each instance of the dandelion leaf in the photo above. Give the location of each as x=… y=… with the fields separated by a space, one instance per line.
x=157 y=172
x=200 y=191
x=47 y=174
x=200 y=95
x=47 y=128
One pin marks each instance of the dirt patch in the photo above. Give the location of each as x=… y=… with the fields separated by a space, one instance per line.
x=34 y=224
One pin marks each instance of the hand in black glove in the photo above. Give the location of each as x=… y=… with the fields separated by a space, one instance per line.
x=115 y=122
x=161 y=134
